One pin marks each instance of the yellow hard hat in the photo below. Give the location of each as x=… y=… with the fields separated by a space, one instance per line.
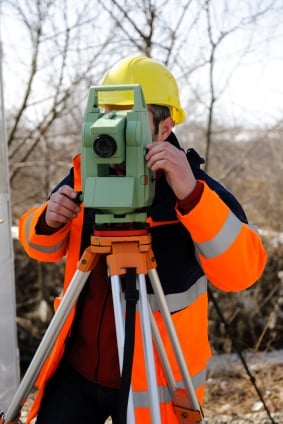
x=158 y=84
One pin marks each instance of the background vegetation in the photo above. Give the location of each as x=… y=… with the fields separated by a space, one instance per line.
x=63 y=47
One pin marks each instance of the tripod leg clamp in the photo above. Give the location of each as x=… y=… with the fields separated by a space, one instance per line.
x=185 y=414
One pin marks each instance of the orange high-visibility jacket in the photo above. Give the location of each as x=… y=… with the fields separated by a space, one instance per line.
x=229 y=254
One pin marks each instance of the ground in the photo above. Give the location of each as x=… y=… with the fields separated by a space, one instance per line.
x=231 y=398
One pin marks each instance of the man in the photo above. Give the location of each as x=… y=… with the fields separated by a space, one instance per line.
x=199 y=231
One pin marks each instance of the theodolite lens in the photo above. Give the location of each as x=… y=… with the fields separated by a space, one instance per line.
x=104 y=146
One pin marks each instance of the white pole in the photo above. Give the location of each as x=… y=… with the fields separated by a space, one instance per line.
x=9 y=358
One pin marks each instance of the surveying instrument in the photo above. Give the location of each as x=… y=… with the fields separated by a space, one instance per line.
x=112 y=140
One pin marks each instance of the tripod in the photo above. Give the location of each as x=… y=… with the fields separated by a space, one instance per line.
x=127 y=253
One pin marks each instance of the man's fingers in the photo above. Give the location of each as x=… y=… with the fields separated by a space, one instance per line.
x=68 y=192
x=62 y=206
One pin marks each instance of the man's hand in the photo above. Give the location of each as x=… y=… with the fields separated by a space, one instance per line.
x=162 y=155
x=62 y=207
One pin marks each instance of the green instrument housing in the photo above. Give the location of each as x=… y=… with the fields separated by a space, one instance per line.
x=112 y=140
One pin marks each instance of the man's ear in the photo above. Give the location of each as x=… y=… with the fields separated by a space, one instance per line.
x=165 y=128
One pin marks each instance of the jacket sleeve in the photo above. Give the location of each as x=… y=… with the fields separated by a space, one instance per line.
x=46 y=248
x=229 y=250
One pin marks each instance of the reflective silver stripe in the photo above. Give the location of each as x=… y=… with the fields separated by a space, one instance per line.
x=253 y=228
x=224 y=239
x=44 y=249
x=197 y=380
x=142 y=400
x=177 y=301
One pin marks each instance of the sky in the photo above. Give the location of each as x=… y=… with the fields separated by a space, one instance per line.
x=250 y=91
x=249 y=85
x=257 y=89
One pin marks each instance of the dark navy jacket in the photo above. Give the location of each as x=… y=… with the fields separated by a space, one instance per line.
x=172 y=244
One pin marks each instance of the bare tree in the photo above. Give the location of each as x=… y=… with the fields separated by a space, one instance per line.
x=67 y=47
x=71 y=46
x=221 y=23
x=145 y=25
x=56 y=72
